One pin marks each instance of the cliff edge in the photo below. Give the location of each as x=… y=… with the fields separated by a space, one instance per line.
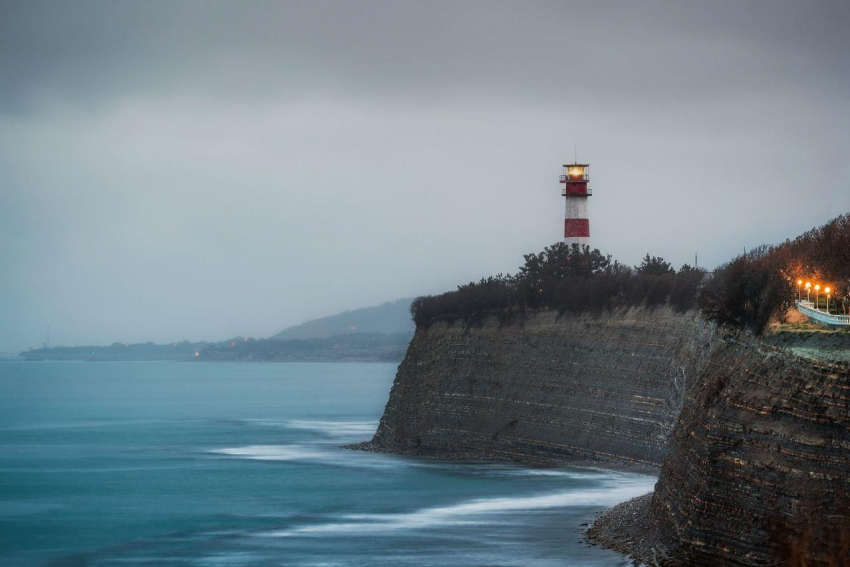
x=574 y=389
x=759 y=461
x=758 y=471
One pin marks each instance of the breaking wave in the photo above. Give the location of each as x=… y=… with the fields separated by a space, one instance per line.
x=336 y=428
x=272 y=452
x=472 y=512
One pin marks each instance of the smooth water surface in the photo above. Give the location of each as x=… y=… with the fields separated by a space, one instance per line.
x=221 y=464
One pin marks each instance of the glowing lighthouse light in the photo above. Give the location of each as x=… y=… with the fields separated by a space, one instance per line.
x=575 y=178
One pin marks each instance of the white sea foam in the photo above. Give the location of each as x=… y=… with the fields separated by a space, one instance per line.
x=516 y=470
x=473 y=512
x=320 y=452
x=272 y=452
x=355 y=430
x=564 y=473
x=331 y=454
x=336 y=428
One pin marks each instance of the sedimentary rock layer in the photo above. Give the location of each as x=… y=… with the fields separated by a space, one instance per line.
x=547 y=388
x=759 y=465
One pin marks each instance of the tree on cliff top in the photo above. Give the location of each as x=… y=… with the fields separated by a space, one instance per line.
x=566 y=278
x=756 y=287
x=746 y=292
x=655 y=266
x=562 y=260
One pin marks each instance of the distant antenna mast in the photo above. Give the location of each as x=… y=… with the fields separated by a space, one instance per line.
x=696 y=259
x=47 y=342
x=575 y=154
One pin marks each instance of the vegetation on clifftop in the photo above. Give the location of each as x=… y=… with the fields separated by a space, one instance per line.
x=567 y=279
x=747 y=292
x=756 y=287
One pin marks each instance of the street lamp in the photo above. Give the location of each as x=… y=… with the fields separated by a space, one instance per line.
x=808 y=291
x=817 y=296
x=799 y=283
x=827 y=290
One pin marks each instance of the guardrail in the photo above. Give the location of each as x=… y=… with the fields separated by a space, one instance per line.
x=807 y=308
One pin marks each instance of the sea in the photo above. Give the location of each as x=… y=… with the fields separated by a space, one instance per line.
x=232 y=464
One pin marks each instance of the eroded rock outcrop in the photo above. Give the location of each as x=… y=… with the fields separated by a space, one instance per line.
x=548 y=389
x=758 y=471
x=754 y=440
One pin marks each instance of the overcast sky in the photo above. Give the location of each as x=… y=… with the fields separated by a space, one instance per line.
x=198 y=170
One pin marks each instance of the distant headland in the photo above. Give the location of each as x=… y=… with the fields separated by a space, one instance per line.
x=372 y=334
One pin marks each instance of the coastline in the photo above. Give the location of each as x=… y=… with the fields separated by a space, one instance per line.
x=627 y=528
x=624 y=528
x=496 y=457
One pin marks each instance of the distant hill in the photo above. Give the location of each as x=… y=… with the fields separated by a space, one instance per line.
x=379 y=333
x=350 y=347
x=388 y=318
x=119 y=351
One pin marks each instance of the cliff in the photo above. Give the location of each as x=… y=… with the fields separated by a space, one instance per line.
x=574 y=389
x=754 y=440
x=759 y=462
x=758 y=470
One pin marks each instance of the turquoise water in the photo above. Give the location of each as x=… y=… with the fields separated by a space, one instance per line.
x=210 y=464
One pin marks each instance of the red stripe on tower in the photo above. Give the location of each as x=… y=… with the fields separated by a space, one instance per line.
x=575 y=228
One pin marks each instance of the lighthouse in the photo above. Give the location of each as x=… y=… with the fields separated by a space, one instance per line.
x=575 y=179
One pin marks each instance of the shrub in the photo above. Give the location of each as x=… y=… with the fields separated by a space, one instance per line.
x=747 y=292
x=754 y=288
x=569 y=279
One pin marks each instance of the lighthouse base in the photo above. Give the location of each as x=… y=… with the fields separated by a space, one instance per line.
x=580 y=240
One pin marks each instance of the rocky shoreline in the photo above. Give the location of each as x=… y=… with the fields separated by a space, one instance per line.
x=628 y=529
x=625 y=528
x=757 y=468
x=749 y=440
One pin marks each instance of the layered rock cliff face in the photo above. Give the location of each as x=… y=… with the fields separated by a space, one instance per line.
x=754 y=440
x=547 y=389
x=758 y=471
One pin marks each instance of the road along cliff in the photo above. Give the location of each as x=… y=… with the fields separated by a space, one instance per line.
x=546 y=388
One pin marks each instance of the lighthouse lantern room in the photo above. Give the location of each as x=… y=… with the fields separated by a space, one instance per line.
x=575 y=179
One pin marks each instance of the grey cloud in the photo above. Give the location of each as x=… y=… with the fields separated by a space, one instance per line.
x=647 y=52
x=175 y=170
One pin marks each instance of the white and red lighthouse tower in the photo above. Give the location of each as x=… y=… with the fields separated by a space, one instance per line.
x=576 y=222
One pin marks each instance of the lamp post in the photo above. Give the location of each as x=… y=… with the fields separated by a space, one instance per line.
x=799 y=283
x=827 y=290
x=817 y=296
x=808 y=291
